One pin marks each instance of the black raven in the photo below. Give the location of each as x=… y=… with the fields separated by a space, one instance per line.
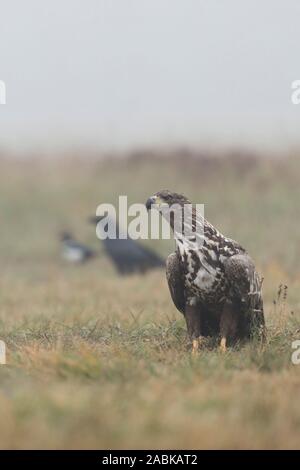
x=127 y=255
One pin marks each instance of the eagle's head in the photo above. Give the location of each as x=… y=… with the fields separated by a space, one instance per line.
x=166 y=198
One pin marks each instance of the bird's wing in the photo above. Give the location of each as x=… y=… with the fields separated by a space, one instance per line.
x=175 y=281
x=246 y=288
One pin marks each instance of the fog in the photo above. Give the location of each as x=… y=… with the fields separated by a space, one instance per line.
x=122 y=73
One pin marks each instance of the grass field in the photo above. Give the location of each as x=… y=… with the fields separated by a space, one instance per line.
x=98 y=361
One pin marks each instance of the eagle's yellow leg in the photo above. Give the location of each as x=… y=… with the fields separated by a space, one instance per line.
x=223 y=345
x=196 y=345
x=193 y=322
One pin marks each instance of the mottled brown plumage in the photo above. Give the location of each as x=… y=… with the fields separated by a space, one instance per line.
x=212 y=279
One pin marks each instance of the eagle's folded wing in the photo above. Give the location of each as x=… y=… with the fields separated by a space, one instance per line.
x=175 y=281
x=246 y=290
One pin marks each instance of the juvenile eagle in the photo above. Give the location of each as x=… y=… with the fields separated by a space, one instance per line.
x=211 y=278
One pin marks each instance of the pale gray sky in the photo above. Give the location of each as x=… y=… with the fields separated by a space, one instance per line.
x=121 y=73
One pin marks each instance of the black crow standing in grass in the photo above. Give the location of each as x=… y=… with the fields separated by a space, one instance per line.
x=127 y=255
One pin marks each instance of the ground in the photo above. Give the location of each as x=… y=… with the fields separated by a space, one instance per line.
x=96 y=361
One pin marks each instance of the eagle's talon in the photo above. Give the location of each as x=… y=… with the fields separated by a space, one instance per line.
x=223 y=347
x=195 y=347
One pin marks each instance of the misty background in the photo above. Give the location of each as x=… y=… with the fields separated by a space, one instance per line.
x=115 y=74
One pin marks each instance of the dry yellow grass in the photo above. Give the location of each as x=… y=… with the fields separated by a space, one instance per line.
x=95 y=361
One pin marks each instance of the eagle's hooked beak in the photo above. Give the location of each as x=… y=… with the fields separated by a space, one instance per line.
x=150 y=202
